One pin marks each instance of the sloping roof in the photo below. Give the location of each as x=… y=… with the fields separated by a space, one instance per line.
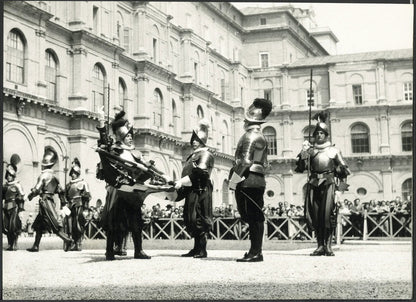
x=355 y=57
x=264 y=10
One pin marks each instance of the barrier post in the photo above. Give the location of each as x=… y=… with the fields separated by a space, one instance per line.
x=172 y=229
x=365 y=226
x=339 y=228
x=266 y=232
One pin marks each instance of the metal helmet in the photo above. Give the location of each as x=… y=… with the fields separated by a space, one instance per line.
x=201 y=133
x=121 y=126
x=321 y=117
x=258 y=111
x=50 y=157
x=75 y=167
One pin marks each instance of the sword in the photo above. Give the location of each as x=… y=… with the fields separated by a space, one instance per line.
x=253 y=202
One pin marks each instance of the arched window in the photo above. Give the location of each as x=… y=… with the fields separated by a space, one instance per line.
x=306 y=132
x=122 y=92
x=407 y=190
x=98 y=87
x=225 y=199
x=51 y=72
x=15 y=61
x=157 y=108
x=270 y=135
x=360 y=139
x=200 y=112
x=222 y=85
x=407 y=136
x=224 y=137
x=174 y=115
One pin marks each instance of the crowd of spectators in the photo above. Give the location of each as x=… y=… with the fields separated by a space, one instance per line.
x=396 y=206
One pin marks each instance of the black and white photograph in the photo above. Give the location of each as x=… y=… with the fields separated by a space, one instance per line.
x=202 y=150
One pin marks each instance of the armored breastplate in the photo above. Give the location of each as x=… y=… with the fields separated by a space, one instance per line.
x=11 y=193
x=321 y=162
x=51 y=185
x=253 y=146
x=75 y=190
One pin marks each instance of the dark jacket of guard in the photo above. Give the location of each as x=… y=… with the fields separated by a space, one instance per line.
x=197 y=213
x=78 y=195
x=12 y=194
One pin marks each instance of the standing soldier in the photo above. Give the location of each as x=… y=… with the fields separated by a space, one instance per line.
x=78 y=196
x=196 y=187
x=327 y=172
x=13 y=204
x=46 y=187
x=247 y=176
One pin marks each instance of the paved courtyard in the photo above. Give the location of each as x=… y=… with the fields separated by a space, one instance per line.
x=372 y=271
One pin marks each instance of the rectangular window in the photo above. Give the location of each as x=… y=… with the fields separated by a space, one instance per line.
x=264 y=60
x=310 y=97
x=262 y=21
x=408 y=91
x=268 y=94
x=360 y=143
x=223 y=89
x=196 y=72
x=126 y=39
x=357 y=94
x=95 y=19
x=407 y=142
x=154 y=49
x=50 y=76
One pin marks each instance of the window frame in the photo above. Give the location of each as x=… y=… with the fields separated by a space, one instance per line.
x=358 y=98
x=15 y=72
x=271 y=140
x=314 y=94
x=407 y=91
x=51 y=57
x=261 y=54
x=357 y=148
x=407 y=140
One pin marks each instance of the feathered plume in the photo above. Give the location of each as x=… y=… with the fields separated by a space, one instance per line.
x=119 y=120
x=76 y=162
x=204 y=125
x=265 y=104
x=320 y=116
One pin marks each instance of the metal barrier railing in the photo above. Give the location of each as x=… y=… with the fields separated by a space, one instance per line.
x=349 y=226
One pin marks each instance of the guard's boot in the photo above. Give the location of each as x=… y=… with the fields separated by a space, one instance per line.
x=202 y=253
x=76 y=246
x=121 y=246
x=138 y=250
x=35 y=247
x=65 y=237
x=320 y=251
x=15 y=243
x=328 y=243
x=256 y=240
x=195 y=249
x=109 y=250
x=9 y=242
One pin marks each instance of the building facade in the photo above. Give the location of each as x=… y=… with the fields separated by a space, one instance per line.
x=171 y=64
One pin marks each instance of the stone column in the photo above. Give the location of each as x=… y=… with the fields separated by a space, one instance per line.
x=381 y=87
x=142 y=108
x=387 y=176
x=286 y=150
x=40 y=75
x=384 y=131
x=186 y=72
x=139 y=35
x=285 y=89
x=80 y=78
x=332 y=86
x=288 y=185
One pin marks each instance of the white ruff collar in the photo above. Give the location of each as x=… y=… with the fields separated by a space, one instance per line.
x=322 y=146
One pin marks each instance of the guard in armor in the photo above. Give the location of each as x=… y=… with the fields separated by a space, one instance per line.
x=78 y=195
x=247 y=176
x=122 y=211
x=196 y=187
x=46 y=187
x=327 y=173
x=12 y=194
